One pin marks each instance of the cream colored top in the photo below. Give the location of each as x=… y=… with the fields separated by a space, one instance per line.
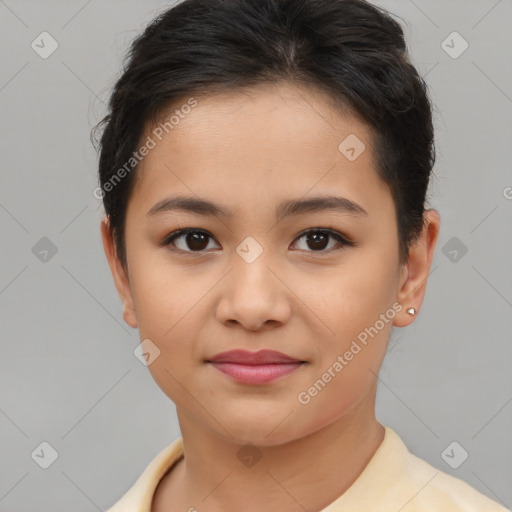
x=394 y=480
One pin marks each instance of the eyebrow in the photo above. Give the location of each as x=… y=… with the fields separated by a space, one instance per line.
x=285 y=209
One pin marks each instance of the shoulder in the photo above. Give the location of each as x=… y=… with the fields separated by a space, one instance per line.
x=430 y=488
x=139 y=496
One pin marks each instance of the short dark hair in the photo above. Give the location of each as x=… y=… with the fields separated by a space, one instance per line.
x=351 y=49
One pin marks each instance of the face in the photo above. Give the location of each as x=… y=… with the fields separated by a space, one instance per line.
x=319 y=282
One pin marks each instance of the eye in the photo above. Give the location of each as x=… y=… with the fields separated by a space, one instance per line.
x=318 y=239
x=195 y=239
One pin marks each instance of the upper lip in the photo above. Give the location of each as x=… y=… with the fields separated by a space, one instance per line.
x=255 y=358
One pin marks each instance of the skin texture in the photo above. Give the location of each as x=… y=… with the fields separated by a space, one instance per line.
x=248 y=152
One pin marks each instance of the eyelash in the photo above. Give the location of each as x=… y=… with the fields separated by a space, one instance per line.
x=169 y=239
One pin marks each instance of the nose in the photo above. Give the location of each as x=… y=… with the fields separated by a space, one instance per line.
x=253 y=296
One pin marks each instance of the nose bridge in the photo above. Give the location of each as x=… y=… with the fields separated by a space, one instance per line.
x=251 y=263
x=253 y=295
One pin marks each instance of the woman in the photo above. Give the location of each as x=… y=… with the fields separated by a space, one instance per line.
x=264 y=168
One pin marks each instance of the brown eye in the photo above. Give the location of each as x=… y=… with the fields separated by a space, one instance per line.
x=317 y=240
x=189 y=240
x=196 y=240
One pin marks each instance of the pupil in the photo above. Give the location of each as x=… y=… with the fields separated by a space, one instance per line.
x=196 y=241
x=313 y=238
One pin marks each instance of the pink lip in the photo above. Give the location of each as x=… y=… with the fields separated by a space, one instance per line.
x=255 y=367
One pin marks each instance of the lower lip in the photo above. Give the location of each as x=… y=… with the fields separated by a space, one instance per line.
x=256 y=374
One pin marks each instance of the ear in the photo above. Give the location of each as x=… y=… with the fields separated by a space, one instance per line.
x=119 y=274
x=414 y=277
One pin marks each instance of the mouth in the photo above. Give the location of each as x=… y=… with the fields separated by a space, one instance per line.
x=255 y=367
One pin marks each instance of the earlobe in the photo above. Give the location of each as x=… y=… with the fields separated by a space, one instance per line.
x=417 y=270
x=119 y=274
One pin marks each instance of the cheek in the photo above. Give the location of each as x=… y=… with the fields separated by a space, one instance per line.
x=356 y=304
x=348 y=297
x=172 y=306
x=343 y=376
x=164 y=292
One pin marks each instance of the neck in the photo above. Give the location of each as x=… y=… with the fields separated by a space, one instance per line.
x=308 y=472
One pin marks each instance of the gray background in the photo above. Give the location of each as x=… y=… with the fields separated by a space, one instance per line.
x=68 y=375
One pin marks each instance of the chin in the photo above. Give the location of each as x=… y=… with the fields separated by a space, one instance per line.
x=269 y=431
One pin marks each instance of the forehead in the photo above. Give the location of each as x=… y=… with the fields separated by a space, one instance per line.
x=247 y=148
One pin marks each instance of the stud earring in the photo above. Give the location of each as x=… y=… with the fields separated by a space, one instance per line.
x=411 y=311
